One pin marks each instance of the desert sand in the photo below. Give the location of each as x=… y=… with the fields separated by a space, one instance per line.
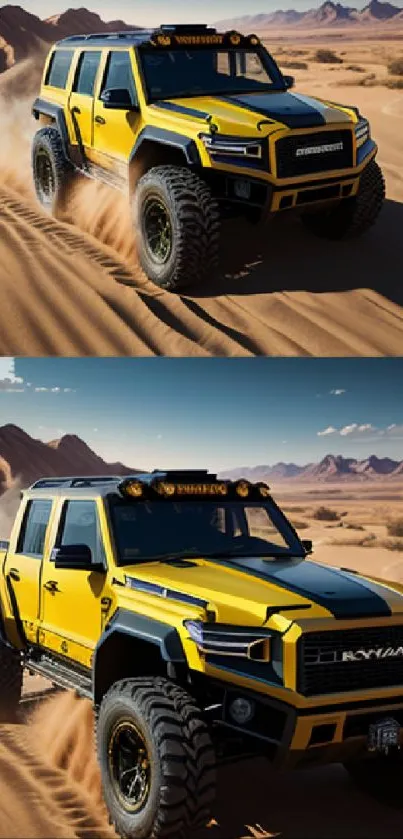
x=72 y=286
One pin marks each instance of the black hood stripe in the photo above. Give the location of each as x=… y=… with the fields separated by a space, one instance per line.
x=281 y=107
x=181 y=109
x=337 y=591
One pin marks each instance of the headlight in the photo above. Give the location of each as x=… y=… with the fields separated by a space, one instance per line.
x=219 y=639
x=362 y=131
x=230 y=147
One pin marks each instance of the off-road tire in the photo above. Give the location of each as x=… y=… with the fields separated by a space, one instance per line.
x=380 y=777
x=47 y=146
x=195 y=227
x=353 y=216
x=10 y=683
x=182 y=760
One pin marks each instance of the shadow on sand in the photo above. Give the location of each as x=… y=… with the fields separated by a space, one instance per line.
x=317 y=803
x=284 y=256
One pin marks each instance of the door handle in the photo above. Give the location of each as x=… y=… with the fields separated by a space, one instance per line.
x=75 y=110
x=100 y=120
x=51 y=585
x=14 y=574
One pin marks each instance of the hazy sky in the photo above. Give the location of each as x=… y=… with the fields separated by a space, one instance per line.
x=214 y=413
x=175 y=11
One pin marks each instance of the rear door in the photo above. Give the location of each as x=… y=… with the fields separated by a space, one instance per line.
x=81 y=102
x=23 y=567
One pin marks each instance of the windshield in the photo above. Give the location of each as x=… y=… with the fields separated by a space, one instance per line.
x=172 y=530
x=173 y=73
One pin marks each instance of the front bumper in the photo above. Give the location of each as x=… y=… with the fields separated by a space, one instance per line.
x=243 y=190
x=293 y=737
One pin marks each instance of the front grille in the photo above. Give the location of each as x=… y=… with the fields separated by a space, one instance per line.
x=292 y=162
x=321 y=668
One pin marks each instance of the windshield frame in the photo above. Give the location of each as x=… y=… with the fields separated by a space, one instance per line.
x=278 y=518
x=269 y=63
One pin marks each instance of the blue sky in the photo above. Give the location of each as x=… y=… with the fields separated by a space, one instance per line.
x=175 y=11
x=215 y=413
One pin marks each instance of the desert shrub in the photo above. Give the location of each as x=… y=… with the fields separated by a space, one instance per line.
x=299 y=525
x=395 y=67
x=327 y=57
x=295 y=65
x=326 y=514
x=392 y=544
x=351 y=526
x=367 y=541
x=394 y=84
x=355 y=68
x=395 y=527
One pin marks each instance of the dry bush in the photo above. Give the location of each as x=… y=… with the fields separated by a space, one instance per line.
x=395 y=527
x=324 y=56
x=394 y=84
x=355 y=68
x=299 y=525
x=326 y=514
x=295 y=65
x=395 y=67
x=391 y=544
x=367 y=541
x=351 y=526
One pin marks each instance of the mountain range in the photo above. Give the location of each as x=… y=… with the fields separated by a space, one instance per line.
x=326 y=15
x=332 y=468
x=26 y=459
x=23 y=33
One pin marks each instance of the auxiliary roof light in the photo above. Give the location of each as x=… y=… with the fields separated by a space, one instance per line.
x=264 y=489
x=134 y=488
x=164 y=488
x=242 y=488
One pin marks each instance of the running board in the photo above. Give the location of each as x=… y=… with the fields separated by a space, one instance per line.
x=61 y=674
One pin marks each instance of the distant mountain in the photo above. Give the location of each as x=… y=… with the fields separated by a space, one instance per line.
x=22 y=33
x=26 y=459
x=328 y=14
x=332 y=468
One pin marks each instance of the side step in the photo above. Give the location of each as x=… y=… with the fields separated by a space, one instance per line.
x=61 y=674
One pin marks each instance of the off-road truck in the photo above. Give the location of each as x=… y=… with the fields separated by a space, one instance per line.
x=196 y=124
x=186 y=609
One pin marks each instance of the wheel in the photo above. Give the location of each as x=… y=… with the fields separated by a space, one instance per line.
x=10 y=683
x=176 y=224
x=381 y=777
x=353 y=216
x=156 y=760
x=52 y=172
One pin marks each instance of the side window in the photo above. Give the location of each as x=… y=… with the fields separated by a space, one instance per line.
x=86 y=73
x=58 y=69
x=33 y=531
x=80 y=526
x=119 y=74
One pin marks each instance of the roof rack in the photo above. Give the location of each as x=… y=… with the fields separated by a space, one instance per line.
x=191 y=28
x=78 y=481
x=128 y=34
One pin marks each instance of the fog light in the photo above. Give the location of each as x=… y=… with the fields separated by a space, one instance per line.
x=242 y=189
x=241 y=710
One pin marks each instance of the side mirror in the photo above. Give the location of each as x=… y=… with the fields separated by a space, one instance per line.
x=307 y=545
x=289 y=82
x=78 y=557
x=118 y=98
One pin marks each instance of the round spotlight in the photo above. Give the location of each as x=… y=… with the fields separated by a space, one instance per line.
x=242 y=489
x=242 y=710
x=165 y=488
x=135 y=489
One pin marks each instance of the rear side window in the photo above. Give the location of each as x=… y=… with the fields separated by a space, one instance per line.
x=58 y=69
x=33 y=531
x=86 y=73
x=119 y=74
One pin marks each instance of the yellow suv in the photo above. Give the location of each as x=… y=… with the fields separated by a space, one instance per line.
x=196 y=124
x=186 y=609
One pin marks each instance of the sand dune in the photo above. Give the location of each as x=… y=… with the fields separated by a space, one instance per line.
x=71 y=286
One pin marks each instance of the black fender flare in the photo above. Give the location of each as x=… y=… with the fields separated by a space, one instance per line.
x=162 y=137
x=138 y=628
x=56 y=112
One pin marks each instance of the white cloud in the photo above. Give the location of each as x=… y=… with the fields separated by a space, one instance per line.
x=337 y=391
x=54 y=390
x=326 y=431
x=354 y=428
x=9 y=382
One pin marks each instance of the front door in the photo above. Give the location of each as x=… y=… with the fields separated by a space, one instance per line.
x=115 y=131
x=75 y=602
x=81 y=101
x=24 y=563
